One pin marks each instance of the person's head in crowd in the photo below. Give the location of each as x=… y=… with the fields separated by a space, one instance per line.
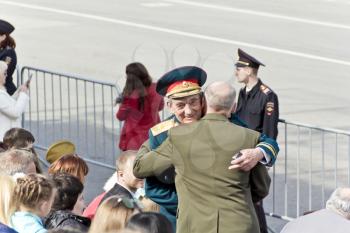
x=69 y=193
x=125 y=173
x=68 y=205
x=149 y=222
x=339 y=202
x=34 y=193
x=137 y=82
x=220 y=98
x=71 y=164
x=3 y=74
x=118 y=208
x=18 y=138
x=149 y=205
x=21 y=139
x=5 y=39
x=182 y=87
x=6 y=198
x=16 y=161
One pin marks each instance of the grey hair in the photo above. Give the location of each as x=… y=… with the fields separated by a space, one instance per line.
x=15 y=161
x=220 y=100
x=340 y=201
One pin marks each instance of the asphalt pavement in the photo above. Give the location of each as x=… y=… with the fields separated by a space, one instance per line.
x=304 y=45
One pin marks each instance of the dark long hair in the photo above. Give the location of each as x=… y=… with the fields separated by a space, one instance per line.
x=137 y=78
x=9 y=41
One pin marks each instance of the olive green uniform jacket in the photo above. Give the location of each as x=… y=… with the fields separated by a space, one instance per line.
x=212 y=198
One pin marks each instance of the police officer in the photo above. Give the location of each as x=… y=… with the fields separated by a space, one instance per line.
x=257 y=106
x=8 y=54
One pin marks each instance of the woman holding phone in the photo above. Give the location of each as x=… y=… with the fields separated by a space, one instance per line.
x=11 y=107
x=8 y=54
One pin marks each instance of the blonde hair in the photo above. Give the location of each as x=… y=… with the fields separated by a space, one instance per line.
x=31 y=190
x=7 y=205
x=111 y=215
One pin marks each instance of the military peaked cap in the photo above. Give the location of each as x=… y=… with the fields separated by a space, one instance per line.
x=181 y=82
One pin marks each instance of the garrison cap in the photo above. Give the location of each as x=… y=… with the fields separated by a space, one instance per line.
x=181 y=82
x=58 y=149
x=6 y=27
x=244 y=59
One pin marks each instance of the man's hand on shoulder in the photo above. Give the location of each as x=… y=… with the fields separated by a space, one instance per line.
x=248 y=159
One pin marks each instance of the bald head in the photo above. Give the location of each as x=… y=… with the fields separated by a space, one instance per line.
x=220 y=97
x=340 y=202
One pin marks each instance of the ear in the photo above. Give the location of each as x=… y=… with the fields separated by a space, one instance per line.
x=204 y=105
x=120 y=174
x=169 y=104
x=43 y=208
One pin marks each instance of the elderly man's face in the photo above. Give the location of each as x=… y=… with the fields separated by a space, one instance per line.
x=187 y=109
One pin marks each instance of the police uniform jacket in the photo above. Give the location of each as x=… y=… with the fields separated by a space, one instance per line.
x=212 y=198
x=258 y=108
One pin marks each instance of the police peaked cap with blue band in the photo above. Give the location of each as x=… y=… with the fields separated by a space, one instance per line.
x=6 y=27
x=244 y=60
x=181 y=82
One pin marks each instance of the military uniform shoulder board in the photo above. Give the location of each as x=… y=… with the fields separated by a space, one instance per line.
x=163 y=126
x=265 y=89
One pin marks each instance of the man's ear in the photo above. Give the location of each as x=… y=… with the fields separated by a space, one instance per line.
x=120 y=174
x=169 y=104
x=204 y=105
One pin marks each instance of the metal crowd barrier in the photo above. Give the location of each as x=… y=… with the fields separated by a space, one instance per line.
x=312 y=162
x=74 y=108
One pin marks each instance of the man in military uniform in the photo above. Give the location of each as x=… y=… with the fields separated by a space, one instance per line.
x=8 y=54
x=212 y=198
x=257 y=106
x=182 y=86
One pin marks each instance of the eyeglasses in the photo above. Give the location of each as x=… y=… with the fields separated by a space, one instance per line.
x=130 y=203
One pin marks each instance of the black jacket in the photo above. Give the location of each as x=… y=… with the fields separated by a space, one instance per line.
x=66 y=219
x=117 y=190
x=259 y=109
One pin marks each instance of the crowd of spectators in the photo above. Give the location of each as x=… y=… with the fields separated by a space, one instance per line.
x=37 y=201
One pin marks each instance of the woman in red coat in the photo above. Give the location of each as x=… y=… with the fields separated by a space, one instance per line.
x=139 y=107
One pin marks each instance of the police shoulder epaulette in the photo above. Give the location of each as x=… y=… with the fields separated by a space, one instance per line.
x=265 y=89
x=162 y=127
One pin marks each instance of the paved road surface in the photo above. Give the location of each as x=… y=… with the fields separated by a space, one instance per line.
x=303 y=43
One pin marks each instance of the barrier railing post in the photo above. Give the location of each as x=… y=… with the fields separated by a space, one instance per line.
x=323 y=172
x=298 y=173
x=310 y=170
x=285 y=171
